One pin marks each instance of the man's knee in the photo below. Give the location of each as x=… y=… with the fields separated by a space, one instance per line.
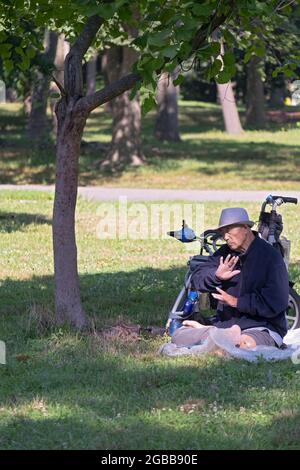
x=187 y=336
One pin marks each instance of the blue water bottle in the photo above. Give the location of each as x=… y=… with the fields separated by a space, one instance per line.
x=188 y=307
x=174 y=325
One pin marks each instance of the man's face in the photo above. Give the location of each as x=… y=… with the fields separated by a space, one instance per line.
x=235 y=236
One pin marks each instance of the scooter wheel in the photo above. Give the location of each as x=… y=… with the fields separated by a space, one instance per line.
x=293 y=311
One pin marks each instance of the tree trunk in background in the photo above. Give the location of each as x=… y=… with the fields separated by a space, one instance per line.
x=11 y=95
x=255 y=99
x=27 y=91
x=226 y=97
x=229 y=109
x=27 y=104
x=62 y=50
x=125 y=147
x=38 y=128
x=166 y=124
x=107 y=106
x=91 y=73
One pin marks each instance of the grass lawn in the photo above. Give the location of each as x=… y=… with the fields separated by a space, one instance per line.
x=65 y=390
x=207 y=158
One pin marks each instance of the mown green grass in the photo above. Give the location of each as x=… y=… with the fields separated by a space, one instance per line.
x=207 y=158
x=62 y=389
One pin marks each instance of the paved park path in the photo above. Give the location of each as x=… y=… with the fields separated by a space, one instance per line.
x=98 y=193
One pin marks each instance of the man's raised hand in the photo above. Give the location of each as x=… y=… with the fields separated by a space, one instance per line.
x=226 y=269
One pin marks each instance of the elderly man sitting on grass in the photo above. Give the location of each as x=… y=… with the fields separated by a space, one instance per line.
x=249 y=279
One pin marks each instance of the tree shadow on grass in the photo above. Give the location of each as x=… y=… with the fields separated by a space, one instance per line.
x=141 y=296
x=102 y=398
x=18 y=221
x=112 y=401
x=234 y=151
x=144 y=296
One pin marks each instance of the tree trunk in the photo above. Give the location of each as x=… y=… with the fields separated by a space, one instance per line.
x=125 y=147
x=38 y=128
x=71 y=120
x=67 y=294
x=166 y=125
x=91 y=73
x=255 y=99
x=229 y=109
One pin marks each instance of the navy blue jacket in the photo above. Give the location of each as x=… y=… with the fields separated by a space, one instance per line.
x=262 y=287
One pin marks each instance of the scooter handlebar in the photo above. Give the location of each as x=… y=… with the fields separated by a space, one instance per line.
x=291 y=200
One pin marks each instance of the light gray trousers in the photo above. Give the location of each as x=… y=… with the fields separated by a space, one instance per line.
x=187 y=336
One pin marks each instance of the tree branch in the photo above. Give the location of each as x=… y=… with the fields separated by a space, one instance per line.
x=73 y=61
x=59 y=86
x=90 y=102
x=87 y=35
x=208 y=28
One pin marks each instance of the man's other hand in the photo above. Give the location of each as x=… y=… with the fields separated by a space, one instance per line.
x=226 y=270
x=225 y=298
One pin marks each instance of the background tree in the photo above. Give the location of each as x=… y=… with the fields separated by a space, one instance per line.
x=91 y=73
x=230 y=112
x=125 y=147
x=273 y=48
x=255 y=99
x=38 y=126
x=17 y=66
x=166 y=123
